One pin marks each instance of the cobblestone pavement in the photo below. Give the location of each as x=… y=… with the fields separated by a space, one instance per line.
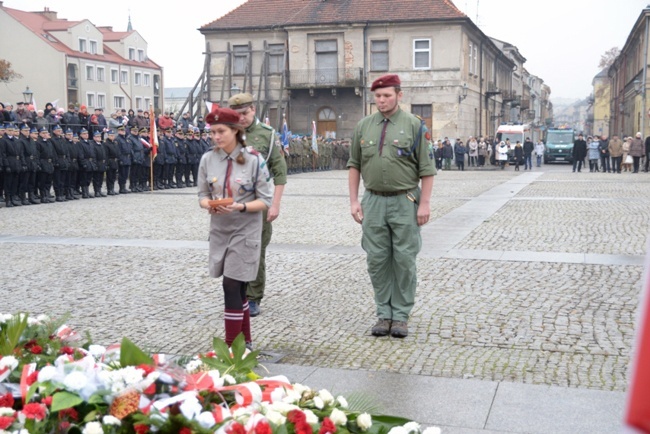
x=528 y=321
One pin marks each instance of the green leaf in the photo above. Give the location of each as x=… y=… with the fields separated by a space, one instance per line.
x=131 y=355
x=10 y=336
x=31 y=391
x=90 y=416
x=221 y=349
x=62 y=400
x=238 y=347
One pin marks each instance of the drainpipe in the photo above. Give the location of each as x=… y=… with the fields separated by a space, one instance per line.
x=480 y=93
x=645 y=75
x=365 y=68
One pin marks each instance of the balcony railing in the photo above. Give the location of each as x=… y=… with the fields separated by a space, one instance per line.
x=508 y=95
x=325 y=78
x=525 y=104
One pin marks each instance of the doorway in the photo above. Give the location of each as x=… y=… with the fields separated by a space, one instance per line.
x=326 y=125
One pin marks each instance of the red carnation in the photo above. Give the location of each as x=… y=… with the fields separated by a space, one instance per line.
x=34 y=411
x=210 y=354
x=68 y=413
x=6 y=421
x=36 y=349
x=7 y=400
x=236 y=428
x=146 y=368
x=30 y=344
x=47 y=401
x=67 y=350
x=141 y=429
x=327 y=427
x=303 y=428
x=185 y=430
x=63 y=426
x=263 y=427
x=296 y=416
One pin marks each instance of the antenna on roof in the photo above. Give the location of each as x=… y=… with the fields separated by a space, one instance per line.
x=129 y=27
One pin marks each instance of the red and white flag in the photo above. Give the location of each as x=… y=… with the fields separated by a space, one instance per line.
x=153 y=132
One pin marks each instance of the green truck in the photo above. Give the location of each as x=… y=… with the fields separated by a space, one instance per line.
x=559 y=145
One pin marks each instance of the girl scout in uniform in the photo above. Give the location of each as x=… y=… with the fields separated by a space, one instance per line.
x=231 y=170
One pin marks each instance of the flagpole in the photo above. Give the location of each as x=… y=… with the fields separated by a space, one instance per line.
x=151 y=171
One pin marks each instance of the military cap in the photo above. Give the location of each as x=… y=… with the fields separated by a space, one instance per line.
x=134 y=127
x=2 y=126
x=43 y=130
x=33 y=130
x=220 y=115
x=389 y=80
x=121 y=128
x=75 y=135
x=179 y=130
x=56 y=127
x=144 y=131
x=24 y=127
x=83 y=130
x=69 y=131
x=240 y=100
x=97 y=133
x=112 y=131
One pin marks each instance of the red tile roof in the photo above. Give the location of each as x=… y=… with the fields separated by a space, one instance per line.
x=273 y=13
x=40 y=25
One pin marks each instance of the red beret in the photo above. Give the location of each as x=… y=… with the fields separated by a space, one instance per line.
x=220 y=115
x=389 y=80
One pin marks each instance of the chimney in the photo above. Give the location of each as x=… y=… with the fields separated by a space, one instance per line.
x=47 y=14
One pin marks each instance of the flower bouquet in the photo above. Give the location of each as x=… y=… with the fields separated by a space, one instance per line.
x=51 y=383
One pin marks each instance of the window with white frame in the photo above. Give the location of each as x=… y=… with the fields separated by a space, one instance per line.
x=101 y=100
x=475 y=60
x=422 y=54
x=118 y=102
x=114 y=76
x=131 y=53
x=146 y=79
x=90 y=100
x=101 y=76
x=93 y=46
x=124 y=77
x=90 y=72
x=137 y=79
x=147 y=103
x=141 y=57
x=82 y=45
x=138 y=103
x=379 y=55
x=470 y=63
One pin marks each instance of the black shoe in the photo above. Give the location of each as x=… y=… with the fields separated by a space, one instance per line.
x=16 y=202
x=254 y=308
x=9 y=204
x=25 y=202
x=59 y=199
x=382 y=328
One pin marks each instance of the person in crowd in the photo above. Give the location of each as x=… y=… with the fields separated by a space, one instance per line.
x=40 y=121
x=125 y=158
x=22 y=115
x=165 y=122
x=61 y=165
x=231 y=170
x=579 y=152
x=626 y=162
x=11 y=158
x=136 y=150
x=616 y=153
x=100 y=160
x=28 y=185
x=539 y=152
x=593 y=154
x=49 y=108
x=529 y=147
x=262 y=138
x=603 y=148
x=84 y=118
x=472 y=152
x=71 y=119
x=447 y=153
x=47 y=156
x=437 y=155
x=112 y=161
x=637 y=151
x=393 y=207
x=502 y=154
x=482 y=151
x=459 y=152
x=518 y=155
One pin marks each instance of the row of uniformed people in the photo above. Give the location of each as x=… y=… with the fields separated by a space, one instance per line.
x=32 y=162
x=301 y=157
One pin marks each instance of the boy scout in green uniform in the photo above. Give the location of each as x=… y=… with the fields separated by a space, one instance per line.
x=261 y=137
x=390 y=153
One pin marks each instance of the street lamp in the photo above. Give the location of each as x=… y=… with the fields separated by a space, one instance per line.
x=27 y=95
x=463 y=93
x=637 y=86
x=234 y=90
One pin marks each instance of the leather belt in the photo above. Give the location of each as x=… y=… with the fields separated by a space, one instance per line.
x=387 y=193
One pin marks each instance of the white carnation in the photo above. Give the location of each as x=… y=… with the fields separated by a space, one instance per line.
x=43 y=318
x=312 y=419
x=432 y=430
x=206 y=420
x=229 y=379
x=412 y=427
x=4 y=317
x=132 y=375
x=342 y=401
x=275 y=418
x=6 y=411
x=318 y=403
x=398 y=430
x=96 y=351
x=9 y=362
x=32 y=321
x=111 y=420
x=364 y=421
x=326 y=396
x=93 y=428
x=292 y=396
x=283 y=407
x=338 y=417
x=47 y=373
x=75 y=381
x=300 y=389
x=193 y=365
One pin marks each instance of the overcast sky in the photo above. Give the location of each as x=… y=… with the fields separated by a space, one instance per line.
x=562 y=40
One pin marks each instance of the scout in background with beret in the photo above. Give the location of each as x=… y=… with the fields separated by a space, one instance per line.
x=233 y=171
x=390 y=153
x=261 y=137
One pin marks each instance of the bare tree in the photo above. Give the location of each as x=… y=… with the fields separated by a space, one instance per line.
x=609 y=57
x=6 y=73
